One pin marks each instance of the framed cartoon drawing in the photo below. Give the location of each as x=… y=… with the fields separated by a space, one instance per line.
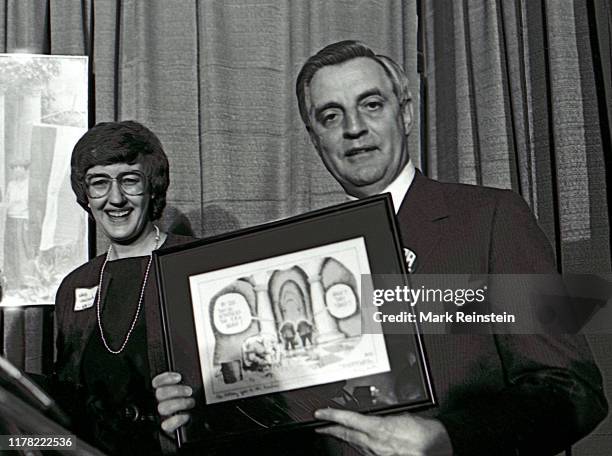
x=267 y=324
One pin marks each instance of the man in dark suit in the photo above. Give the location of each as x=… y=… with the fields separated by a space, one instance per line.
x=498 y=394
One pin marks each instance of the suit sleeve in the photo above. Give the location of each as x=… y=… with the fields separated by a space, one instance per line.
x=553 y=394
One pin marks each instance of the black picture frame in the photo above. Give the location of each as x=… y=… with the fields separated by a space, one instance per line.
x=204 y=292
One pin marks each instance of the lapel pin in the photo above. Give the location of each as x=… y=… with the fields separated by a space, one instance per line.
x=410 y=258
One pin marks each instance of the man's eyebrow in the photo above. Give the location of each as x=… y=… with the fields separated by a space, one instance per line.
x=369 y=93
x=330 y=105
x=362 y=96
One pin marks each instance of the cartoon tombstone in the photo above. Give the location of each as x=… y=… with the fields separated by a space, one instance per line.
x=341 y=296
x=231 y=316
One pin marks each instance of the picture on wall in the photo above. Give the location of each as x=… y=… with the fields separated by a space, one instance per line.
x=43 y=231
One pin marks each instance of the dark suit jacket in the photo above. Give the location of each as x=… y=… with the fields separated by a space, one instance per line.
x=497 y=393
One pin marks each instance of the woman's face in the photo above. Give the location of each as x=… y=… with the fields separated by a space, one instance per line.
x=121 y=216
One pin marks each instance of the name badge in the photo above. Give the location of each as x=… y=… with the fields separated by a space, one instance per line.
x=84 y=298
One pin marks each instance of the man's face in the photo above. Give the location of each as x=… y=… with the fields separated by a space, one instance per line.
x=357 y=125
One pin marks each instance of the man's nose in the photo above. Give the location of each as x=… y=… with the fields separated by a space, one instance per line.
x=354 y=125
x=116 y=196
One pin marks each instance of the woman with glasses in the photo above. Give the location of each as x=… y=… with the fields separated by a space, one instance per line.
x=109 y=340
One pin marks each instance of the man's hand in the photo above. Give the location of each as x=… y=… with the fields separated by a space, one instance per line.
x=173 y=399
x=398 y=435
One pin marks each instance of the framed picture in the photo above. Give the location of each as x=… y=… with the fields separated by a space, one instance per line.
x=266 y=324
x=43 y=231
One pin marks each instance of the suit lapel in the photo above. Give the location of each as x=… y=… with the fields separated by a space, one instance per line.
x=419 y=216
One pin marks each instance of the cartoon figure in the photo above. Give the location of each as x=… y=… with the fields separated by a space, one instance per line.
x=260 y=353
x=16 y=242
x=288 y=333
x=304 y=329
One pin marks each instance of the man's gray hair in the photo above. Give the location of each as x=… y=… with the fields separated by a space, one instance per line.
x=340 y=52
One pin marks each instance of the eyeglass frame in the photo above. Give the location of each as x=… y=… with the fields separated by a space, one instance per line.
x=117 y=179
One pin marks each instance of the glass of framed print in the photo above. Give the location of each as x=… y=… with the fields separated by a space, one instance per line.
x=266 y=324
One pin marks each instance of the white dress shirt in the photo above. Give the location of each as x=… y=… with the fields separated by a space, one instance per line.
x=399 y=187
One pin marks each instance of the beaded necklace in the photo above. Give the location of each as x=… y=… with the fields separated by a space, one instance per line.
x=144 y=283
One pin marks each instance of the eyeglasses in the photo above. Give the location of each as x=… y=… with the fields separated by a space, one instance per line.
x=132 y=183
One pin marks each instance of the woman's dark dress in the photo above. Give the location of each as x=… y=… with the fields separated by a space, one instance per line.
x=109 y=397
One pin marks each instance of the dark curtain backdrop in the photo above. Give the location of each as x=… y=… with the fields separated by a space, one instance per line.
x=215 y=80
x=511 y=90
x=513 y=103
x=515 y=100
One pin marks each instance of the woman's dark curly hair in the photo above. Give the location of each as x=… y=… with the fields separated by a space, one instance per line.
x=121 y=142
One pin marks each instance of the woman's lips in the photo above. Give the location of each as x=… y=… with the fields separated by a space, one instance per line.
x=118 y=215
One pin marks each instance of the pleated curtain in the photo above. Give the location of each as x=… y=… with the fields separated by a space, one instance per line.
x=215 y=80
x=515 y=100
x=513 y=103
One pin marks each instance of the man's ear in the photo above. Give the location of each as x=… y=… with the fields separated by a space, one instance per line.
x=408 y=115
